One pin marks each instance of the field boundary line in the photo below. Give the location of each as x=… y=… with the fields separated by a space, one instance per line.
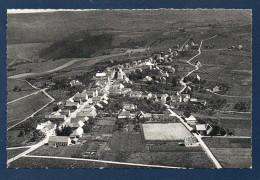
x=104 y=161
x=24 y=96
x=21 y=147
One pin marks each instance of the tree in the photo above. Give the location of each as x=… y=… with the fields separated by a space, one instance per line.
x=186 y=113
x=55 y=108
x=64 y=131
x=21 y=133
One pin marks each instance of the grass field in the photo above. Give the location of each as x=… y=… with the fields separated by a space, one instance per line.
x=13 y=140
x=25 y=89
x=61 y=151
x=165 y=131
x=23 y=108
x=130 y=142
x=217 y=142
x=14 y=152
x=26 y=51
x=175 y=159
x=28 y=162
x=37 y=67
x=233 y=157
x=238 y=127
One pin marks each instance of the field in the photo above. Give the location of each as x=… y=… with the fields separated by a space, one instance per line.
x=14 y=152
x=233 y=157
x=231 y=152
x=25 y=89
x=165 y=132
x=175 y=159
x=23 y=108
x=27 y=51
x=238 y=127
x=61 y=151
x=37 y=67
x=28 y=162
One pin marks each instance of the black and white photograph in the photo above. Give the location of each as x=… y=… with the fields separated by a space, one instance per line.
x=129 y=88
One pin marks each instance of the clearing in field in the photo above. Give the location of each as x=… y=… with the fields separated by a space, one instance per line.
x=165 y=131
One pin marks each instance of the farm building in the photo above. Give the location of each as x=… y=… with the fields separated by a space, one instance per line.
x=77 y=133
x=191 y=141
x=56 y=116
x=59 y=141
x=75 y=83
x=71 y=105
x=46 y=126
x=87 y=112
x=204 y=129
x=80 y=96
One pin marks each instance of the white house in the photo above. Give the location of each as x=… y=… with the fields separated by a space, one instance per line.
x=191 y=120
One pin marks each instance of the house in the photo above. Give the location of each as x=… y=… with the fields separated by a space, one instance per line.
x=46 y=126
x=216 y=89
x=191 y=141
x=136 y=94
x=142 y=115
x=163 y=98
x=77 y=119
x=124 y=114
x=129 y=107
x=147 y=95
x=125 y=90
x=71 y=105
x=191 y=120
x=175 y=98
x=75 y=124
x=185 y=97
x=240 y=47
x=75 y=83
x=117 y=85
x=99 y=105
x=78 y=97
x=92 y=93
x=65 y=112
x=90 y=112
x=56 y=116
x=194 y=46
x=96 y=99
x=59 y=141
x=77 y=133
x=120 y=74
x=147 y=79
x=204 y=129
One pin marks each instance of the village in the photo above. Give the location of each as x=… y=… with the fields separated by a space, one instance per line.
x=120 y=100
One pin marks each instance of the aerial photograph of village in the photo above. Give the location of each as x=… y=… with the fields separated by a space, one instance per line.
x=99 y=89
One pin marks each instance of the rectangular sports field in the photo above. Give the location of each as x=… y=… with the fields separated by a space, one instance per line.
x=165 y=131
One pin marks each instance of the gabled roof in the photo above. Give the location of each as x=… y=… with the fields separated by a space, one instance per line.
x=69 y=103
x=81 y=95
x=191 y=118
